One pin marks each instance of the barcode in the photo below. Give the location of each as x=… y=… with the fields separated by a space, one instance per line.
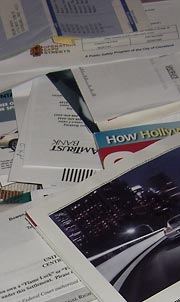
x=76 y=175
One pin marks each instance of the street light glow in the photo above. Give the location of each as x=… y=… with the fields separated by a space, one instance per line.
x=130 y=231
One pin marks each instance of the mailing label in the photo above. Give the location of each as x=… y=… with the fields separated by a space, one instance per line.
x=13 y=18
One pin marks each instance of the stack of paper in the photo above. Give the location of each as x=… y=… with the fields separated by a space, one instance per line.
x=89 y=143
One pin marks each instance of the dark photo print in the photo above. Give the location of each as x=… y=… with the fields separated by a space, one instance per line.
x=129 y=228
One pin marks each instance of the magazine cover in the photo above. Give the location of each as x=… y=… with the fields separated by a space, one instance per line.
x=120 y=231
x=114 y=145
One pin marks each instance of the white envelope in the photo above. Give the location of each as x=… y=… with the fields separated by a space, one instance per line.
x=114 y=90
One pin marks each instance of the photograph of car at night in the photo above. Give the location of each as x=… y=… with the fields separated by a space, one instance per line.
x=123 y=228
x=173 y=228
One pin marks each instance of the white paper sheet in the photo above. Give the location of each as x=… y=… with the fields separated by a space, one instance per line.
x=45 y=176
x=128 y=87
x=29 y=268
x=56 y=136
x=21 y=96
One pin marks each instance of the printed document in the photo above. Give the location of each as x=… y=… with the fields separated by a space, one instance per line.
x=23 y=23
x=46 y=176
x=92 y=18
x=56 y=136
x=128 y=87
x=126 y=226
x=26 y=23
x=43 y=58
x=30 y=270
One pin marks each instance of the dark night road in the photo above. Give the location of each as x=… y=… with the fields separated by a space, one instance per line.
x=158 y=270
